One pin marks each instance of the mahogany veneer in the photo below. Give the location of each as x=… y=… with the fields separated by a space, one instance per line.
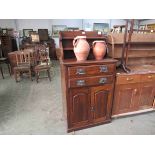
x=87 y=86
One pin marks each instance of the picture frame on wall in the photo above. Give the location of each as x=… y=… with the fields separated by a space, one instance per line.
x=57 y=28
x=4 y=31
x=34 y=37
x=26 y=32
x=73 y=29
x=101 y=27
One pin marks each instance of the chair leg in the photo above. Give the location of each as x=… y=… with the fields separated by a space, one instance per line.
x=2 y=72
x=9 y=69
x=37 y=76
x=15 y=74
x=30 y=75
x=49 y=76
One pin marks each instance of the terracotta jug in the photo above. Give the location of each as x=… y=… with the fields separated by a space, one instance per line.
x=81 y=48
x=99 y=49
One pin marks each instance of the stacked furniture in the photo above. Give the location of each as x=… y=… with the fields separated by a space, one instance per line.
x=44 y=39
x=87 y=85
x=135 y=90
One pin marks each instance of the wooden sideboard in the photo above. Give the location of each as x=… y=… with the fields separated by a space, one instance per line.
x=8 y=44
x=88 y=91
x=87 y=86
x=134 y=91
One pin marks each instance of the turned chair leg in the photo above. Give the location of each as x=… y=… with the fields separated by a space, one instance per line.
x=9 y=69
x=37 y=76
x=2 y=72
x=49 y=76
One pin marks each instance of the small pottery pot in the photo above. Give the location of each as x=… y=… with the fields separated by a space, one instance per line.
x=99 y=49
x=81 y=48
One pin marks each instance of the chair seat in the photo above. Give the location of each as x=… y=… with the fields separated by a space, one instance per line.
x=38 y=67
x=22 y=67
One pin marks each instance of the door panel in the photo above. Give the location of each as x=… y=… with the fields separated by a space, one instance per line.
x=126 y=98
x=146 y=95
x=79 y=106
x=101 y=102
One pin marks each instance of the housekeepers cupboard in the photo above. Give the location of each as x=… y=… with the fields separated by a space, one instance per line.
x=87 y=85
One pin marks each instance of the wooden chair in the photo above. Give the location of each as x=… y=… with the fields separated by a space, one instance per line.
x=43 y=64
x=23 y=59
x=4 y=60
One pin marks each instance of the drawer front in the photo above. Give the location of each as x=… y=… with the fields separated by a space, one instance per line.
x=81 y=71
x=90 y=81
x=147 y=77
x=125 y=79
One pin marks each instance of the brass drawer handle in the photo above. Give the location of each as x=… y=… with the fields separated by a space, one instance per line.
x=150 y=76
x=103 y=69
x=80 y=82
x=80 y=71
x=129 y=79
x=103 y=80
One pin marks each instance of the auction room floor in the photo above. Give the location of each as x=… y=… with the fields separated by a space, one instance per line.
x=30 y=108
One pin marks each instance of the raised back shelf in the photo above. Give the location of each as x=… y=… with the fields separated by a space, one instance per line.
x=66 y=42
x=142 y=46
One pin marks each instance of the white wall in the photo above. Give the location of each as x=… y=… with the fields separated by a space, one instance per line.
x=67 y=22
x=35 y=24
x=7 y=23
x=150 y=21
x=117 y=22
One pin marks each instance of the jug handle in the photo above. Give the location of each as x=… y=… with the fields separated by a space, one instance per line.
x=75 y=41
x=94 y=42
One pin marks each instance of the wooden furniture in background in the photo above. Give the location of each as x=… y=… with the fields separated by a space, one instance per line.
x=4 y=61
x=13 y=61
x=23 y=59
x=26 y=43
x=43 y=34
x=87 y=85
x=135 y=90
x=43 y=64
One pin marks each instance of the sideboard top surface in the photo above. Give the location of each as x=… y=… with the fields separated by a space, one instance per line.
x=73 y=62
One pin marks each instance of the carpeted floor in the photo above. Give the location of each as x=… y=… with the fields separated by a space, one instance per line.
x=30 y=108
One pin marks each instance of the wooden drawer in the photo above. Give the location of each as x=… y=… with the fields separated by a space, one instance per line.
x=81 y=71
x=126 y=79
x=147 y=77
x=90 y=81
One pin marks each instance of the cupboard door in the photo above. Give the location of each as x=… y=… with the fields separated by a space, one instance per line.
x=126 y=98
x=101 y=103
x=79 y=108
x=146 y=95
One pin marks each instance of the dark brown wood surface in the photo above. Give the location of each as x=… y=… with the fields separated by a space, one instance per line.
x=87 y=86
x=89 y=103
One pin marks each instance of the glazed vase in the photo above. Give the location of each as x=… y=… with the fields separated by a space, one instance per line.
x=99 y=49
x=81 y=48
